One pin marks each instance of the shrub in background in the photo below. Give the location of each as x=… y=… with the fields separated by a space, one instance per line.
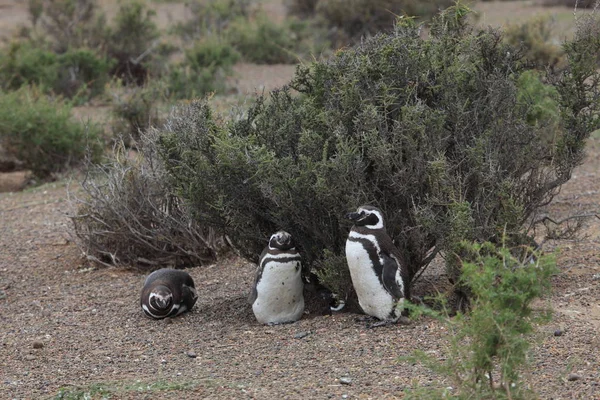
x=212 y=17
x=69 y=24
x=261 y=41
x=77 y=73
x=132 y=41
x=204 y=70
x=487 y=349
x=135 y=109
x=40 y=132
x=129 y=216
x=430 y=130
x=301 y=8
x=350 y=20
x=536 y=37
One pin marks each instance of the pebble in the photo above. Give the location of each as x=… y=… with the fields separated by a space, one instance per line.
x=38 y=345
x=163 y=361
x=574 y=377
x=29 y=357
x=596 y=277
x=190 y=354
x=559 y=332
x=301 y=335
x=345 y=380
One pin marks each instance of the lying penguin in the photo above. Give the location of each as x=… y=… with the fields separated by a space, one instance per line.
x=167 y=293
x=277 y=296
x=381 y=282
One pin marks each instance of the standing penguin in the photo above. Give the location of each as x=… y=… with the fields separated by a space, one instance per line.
x=277 y=296
x=380 y=280
x=167 y=293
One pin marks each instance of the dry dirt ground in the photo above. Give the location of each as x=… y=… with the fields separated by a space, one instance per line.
x=69 y=328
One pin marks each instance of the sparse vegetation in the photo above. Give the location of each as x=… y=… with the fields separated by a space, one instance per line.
x=487 y=348
x=41 y=133
x=349 y=21
x=80 y=73
x=205 y=69
x=135 y=109
x=129 y=216
x=536 y=38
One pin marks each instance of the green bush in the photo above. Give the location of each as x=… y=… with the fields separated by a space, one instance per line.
x=536 y=37
x=349 y=20
x=204 y=69
x=69 y=24
x=135 y=109
x=133 y=41
x=77 y=73
x=262 y=41
x=212 y=17
x=488 y=347
x=39 y=131
x=430 y=130
x=301 y=8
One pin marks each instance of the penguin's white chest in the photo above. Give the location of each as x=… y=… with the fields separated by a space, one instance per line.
x=280 y=296
x=372 y=296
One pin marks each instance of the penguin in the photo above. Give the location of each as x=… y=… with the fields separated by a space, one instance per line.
x=380 y=280
x=167 y=293
x=277 y=296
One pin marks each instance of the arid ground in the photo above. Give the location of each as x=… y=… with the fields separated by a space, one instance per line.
x=69 y=327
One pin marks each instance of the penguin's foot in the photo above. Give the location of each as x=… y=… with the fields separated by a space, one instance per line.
x=365 y=318
x=401 y=321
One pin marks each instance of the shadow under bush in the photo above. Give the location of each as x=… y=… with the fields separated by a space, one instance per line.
x=436 y=132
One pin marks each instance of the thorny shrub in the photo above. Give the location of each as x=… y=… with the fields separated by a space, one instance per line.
x=487 y=348
x=128 y=216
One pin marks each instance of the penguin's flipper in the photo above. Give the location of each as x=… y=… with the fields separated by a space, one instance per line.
x=189 y=295
x=390 y=275
x=254 y=292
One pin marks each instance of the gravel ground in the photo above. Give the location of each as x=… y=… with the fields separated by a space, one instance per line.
x=67 y=325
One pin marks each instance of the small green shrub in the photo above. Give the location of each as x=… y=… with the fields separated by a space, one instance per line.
x=77 y=73
x=39 y=131
x=135 y=109
x=536 y=38
x=212 y=17
x=70 y=24
x=301 y=8
x=204 y=69
x=132 y=41
x=347 y=21
x=488 y=347
x=262 y=41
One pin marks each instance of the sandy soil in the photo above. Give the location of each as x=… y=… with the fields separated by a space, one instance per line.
x=69 y=327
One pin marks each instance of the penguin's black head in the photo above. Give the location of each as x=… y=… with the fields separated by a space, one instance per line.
x=281 y=241
x=367 y=216
x=161 y=298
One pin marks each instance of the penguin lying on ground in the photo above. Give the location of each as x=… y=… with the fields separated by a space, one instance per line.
x=167 y=293
x=379 y=279
x=277 y=296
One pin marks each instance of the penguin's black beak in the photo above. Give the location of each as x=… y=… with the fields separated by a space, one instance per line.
x=353 y=216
